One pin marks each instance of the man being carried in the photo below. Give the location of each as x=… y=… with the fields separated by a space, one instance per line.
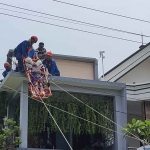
x=50 y=64
x=24 y=50
x=40 y=51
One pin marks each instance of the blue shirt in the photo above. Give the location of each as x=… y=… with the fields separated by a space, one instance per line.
x=31 y=54
x=23 y=48
x=6 y=72
x=51 y=66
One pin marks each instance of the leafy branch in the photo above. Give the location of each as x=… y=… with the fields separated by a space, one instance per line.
x=9 y=138
x=139 y=128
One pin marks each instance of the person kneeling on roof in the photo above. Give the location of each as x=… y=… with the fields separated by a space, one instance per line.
x=50 y=64
x=7 y=69
x=40 y=51
x=24 y=50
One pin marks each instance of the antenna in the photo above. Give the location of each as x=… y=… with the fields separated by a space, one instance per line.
x=142 y=37
x=102 y=56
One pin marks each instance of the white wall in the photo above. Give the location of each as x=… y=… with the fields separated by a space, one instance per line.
x=139 y=74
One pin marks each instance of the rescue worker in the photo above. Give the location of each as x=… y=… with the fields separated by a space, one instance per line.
x=7 y=69
x=50 y=64
x=40 y=51
x=24 y=50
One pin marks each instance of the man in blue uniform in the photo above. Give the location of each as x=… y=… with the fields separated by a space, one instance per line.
x=24 y=50
x=50 y=64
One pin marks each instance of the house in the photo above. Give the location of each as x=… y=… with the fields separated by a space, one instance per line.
x=135 y=72
x=79 y=76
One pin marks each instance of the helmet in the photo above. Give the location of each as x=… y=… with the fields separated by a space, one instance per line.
x=41 y=44
x=49 y=53
x=34 y=38
x=6 y=64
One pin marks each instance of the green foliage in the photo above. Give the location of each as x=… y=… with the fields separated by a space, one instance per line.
x=3 y=106
x=9 y=135
x=38 y=114
x=139 y=128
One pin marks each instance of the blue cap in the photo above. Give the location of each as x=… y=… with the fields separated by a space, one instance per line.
x=41 y=44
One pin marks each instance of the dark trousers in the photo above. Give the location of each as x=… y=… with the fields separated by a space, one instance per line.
x=18 y=56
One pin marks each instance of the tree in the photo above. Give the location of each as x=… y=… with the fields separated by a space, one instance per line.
x=139 y=128
x=9 y=139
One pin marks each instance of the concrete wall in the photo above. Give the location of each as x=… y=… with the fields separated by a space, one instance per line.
x=75 y=69
x=139 y=74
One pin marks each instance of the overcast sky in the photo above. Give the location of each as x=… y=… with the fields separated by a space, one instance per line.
x=69 y=42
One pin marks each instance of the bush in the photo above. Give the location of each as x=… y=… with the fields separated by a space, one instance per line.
x=9 y=135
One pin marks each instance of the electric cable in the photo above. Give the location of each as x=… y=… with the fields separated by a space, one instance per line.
x=70 y=28
x=101 y=11
x=71 y=20
x=73 y=114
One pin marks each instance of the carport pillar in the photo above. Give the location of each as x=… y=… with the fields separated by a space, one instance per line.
x=120 y=118
x=24 y=115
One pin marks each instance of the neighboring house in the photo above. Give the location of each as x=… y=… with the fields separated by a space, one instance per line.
x=79 y=75
x=135 y=72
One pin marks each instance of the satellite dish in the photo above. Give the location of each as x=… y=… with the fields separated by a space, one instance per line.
x=147 y=147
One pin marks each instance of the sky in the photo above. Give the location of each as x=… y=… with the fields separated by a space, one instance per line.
x=75 y=43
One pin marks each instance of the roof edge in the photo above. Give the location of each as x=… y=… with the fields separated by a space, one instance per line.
x=69 y=57
x=126 y=59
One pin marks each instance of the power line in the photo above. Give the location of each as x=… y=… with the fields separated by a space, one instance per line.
x=71 y=4
x=75 y=29
x=69 y=20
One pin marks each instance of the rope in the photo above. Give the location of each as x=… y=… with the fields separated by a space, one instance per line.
x=95 y=110
x=53 y=118
x=88 y=107
x=74 y=115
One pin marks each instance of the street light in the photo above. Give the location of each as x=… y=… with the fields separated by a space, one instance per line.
x=102 y=56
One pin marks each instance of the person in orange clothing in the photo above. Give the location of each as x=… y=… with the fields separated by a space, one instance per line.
x=7 y=69
x=50 y=64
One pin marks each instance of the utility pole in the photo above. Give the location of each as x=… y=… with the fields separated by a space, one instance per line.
x=102 y=56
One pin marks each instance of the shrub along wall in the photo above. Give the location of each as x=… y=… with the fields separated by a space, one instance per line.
x=38 y=115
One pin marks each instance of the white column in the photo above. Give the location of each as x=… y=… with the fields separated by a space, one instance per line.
x=24 y=115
